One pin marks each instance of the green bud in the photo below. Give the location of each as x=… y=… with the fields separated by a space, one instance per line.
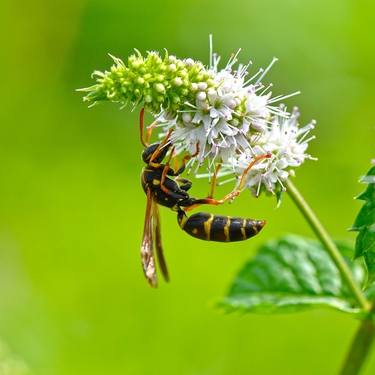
x=149 y=79
x=159 y=87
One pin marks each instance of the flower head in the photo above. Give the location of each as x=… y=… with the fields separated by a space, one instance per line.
x=224 y=115
x=219 y=116
x=285 y=142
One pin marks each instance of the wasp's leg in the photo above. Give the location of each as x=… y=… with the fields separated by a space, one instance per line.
x=234 y=193
x=185 y=159
x=215 y=202
x=158 y=151
x=171 y=189
x=213 y=182
x=149 y=130
x=256 y=160
x=185 y=183
x=164 y=179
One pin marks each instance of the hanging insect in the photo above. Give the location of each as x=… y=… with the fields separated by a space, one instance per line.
x=164 y=187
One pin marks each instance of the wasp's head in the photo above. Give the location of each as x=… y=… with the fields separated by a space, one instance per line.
x=155 y=152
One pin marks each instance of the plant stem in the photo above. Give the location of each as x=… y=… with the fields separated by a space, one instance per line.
x=328 y=244
x=360 y=347
x=365 y=335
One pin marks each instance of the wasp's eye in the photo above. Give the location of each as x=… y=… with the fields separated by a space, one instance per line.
x=150 y=151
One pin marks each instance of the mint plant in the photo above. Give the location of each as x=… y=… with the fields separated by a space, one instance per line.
x=223 y=121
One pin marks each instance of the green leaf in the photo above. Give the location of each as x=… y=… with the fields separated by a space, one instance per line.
x=291 y=274
x=365 y=225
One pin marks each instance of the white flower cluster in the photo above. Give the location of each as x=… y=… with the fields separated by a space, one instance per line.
x=232 y=122
x=284 y=142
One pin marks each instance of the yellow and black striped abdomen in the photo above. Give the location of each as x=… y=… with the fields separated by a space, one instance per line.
x=209 y=227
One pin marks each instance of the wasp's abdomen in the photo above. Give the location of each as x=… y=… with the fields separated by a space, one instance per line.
x=209 y=227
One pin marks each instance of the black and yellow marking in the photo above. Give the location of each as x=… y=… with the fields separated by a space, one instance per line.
x=209 y=227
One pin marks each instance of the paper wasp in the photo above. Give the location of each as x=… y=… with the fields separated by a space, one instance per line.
x=164 y=187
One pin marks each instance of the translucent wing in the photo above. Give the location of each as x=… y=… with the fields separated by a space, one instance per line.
x=147 y=247
x=158 y=243
x=151 y=237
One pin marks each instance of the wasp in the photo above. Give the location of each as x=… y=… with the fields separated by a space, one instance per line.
x=164 y=186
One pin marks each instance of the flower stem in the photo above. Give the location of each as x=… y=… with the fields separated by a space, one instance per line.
x=328 y=244
x=365 y=335
x=360 y=347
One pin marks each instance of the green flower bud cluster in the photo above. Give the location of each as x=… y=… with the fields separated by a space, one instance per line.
x=160 y=84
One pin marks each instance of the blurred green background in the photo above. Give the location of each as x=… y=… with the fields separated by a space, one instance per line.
x=73 y=299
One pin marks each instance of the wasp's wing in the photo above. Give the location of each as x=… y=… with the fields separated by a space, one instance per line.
x=158 y=243
x=147 y=247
